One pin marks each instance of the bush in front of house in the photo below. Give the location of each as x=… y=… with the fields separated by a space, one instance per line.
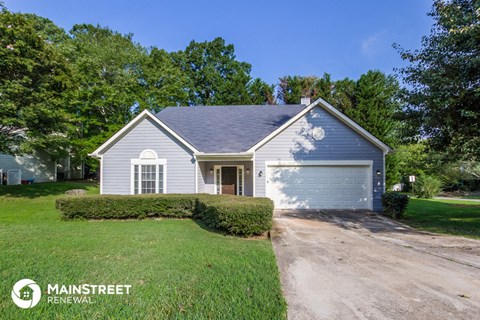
x=427 y=187
x=235 y=215
x=126 y=207
x=395 y=204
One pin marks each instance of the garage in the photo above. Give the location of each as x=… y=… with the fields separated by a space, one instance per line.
x=319 y=186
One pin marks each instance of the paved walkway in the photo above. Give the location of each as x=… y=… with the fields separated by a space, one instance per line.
x=358 y=265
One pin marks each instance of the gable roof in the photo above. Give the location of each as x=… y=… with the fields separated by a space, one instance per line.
x=332 y=110
x=227 y=129
x=232 y=130
x=139 y=118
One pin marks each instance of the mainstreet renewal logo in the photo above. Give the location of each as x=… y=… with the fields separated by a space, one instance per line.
x=26 y=293
x=23 y=297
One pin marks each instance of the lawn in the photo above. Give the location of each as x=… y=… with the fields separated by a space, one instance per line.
x=177 y=268
x=455 y=217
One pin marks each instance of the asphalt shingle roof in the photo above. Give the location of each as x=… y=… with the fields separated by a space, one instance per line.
x=224 y=129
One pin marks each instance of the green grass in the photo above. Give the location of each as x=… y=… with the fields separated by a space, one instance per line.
x=455 y=217
x=471 y=197
x=178 y=269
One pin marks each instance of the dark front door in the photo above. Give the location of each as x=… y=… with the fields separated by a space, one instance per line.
x=229 y=180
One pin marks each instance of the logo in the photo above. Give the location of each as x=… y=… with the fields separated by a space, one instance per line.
x=26 y=293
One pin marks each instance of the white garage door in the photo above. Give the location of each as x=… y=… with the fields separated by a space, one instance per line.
x=319 y=187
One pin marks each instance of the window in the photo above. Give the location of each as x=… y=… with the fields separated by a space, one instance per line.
x=148 y=173
x=240 y=180
x=218 y=178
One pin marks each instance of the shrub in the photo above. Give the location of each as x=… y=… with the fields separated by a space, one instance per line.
x=124 y=207
x=233 y=214
x=237 y=215
x=427 y=187
x=395 y=204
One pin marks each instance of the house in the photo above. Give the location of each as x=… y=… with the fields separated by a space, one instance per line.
x=301 y=156
x=37 y=166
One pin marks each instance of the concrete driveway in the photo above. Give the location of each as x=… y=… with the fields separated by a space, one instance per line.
x=359 y=265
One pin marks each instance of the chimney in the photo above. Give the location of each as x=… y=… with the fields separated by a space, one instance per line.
x=305 y=101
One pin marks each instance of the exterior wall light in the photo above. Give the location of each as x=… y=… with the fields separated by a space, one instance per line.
x=211 y=171
x=260 y=173
x=379 y=173
x=247 y=171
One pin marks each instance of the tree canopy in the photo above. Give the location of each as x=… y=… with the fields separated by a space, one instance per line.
x=33 y=77
x=444 y=80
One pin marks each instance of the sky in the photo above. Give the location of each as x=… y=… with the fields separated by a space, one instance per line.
x=342 y=37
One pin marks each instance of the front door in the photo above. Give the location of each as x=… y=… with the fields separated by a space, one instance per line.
x=229 y=180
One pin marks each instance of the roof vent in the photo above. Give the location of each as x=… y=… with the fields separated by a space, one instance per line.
x=305 y=101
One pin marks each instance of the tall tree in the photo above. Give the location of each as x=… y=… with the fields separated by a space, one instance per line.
x=261 y=93
x=216 y=77
x=106 y=70
x=444 y=80
x=163 y=83
x=292 y=88
x=33 y=77
x=376 y=105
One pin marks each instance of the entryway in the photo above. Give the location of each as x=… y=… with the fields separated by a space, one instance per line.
x=229 y=179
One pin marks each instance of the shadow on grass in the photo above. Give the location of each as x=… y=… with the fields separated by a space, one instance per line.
x=44 y=189
x=205 y=227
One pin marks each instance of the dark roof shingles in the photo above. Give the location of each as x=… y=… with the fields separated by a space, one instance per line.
x=225 y=129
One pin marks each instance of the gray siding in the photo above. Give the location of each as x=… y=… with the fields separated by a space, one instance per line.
x=37 y=166
x=340 y=143
x=148 y=135
x=206 y=179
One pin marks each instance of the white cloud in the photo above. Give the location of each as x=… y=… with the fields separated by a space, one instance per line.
x=371 y=45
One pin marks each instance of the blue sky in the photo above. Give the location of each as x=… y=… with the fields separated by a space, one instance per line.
x=344 y=38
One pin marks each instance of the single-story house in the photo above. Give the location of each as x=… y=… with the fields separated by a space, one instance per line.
x=37 y=166
x=301 y=156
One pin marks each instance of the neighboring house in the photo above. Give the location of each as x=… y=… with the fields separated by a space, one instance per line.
x=300 y=156
x=36 y=167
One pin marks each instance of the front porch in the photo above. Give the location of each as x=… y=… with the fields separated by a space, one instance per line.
x=226 y=177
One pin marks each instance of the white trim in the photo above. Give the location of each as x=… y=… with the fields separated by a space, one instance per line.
x=165 y=178
x=145 y=151
x=101 y=174
x=242 y=156
x=384 y=172
x=196 y=174
x=242 y=167
x=143 y=115
x=220 y=166
x=148 y=161
x=330 y=163
x=336 y=163
x=254 y=175
x=215 y=168
x=328 y=107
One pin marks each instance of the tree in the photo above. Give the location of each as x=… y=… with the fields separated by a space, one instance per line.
x=261 y=93
x=376 y=104
x=164 y=84
x=107 y=69
x=292 y=88
x=444 y=80
x=216 y=77
x=33 y=77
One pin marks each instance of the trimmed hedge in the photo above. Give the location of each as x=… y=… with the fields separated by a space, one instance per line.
x=236 y=215
x=395 y=204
